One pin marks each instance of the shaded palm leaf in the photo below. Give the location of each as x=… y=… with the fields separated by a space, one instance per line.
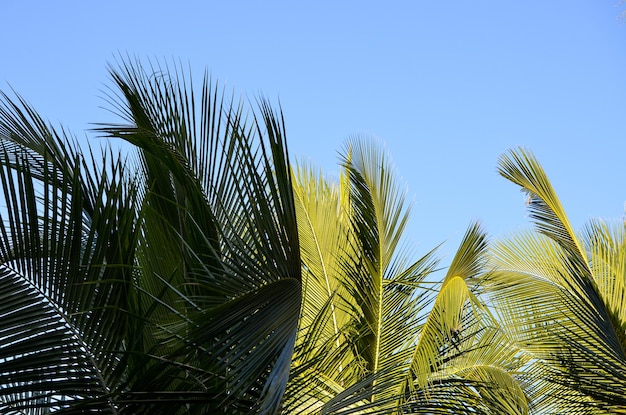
x=219 y=196
x=67 y=251
x=171 y=289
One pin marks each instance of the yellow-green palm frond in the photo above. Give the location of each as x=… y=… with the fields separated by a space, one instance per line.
x=322 y=226
x=556 y=296
x=461 y=346
x=362 y=302
x=522 y=168
x=322 y=361
x=606 y=244
x=378 y=217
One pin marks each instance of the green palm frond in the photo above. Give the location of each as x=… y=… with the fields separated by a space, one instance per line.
x=172 y=288
x=461 y=344
x=606 y=244
x=523 y=169
x=322 y=227
x=67 y=251
x=219 y=199
x=362 y=302
x=379 y=216
x=372 y=339
x=557 y=296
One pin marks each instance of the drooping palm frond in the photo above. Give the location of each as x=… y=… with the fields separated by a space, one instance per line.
x=554 y=294
x=546 y=211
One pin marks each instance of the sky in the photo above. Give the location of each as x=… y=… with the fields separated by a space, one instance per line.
x=445 y=86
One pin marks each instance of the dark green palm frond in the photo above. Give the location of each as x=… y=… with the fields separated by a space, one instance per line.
x=219 y=201
x=67 y=253
x=26 y=134
x=178 y=294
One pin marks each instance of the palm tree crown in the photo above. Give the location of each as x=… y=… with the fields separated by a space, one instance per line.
x=169 y=287
x=203 y=274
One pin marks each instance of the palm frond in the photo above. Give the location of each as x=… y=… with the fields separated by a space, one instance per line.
x=219 y=198
x=554 y=294
x=67 y=250
x=379 y=216
x=363 y=302
x=522 y=168
x=461 y=345
x=170 y=289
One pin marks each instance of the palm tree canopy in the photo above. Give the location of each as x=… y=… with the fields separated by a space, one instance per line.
x=149 y=287
x=204 y=274
x=374 y=336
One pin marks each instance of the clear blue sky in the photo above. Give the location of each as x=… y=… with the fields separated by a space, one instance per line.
x=447 y=85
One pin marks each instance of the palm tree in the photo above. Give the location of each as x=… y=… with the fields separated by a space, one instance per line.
x=169 y=285
x=172 y=282
x=375 y=336
x=560 y=297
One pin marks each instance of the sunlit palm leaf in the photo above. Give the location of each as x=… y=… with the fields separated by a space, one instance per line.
x=554 y=294
x=361 y=283
x=379 y=216
x=362 y=301
x=460 y=344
